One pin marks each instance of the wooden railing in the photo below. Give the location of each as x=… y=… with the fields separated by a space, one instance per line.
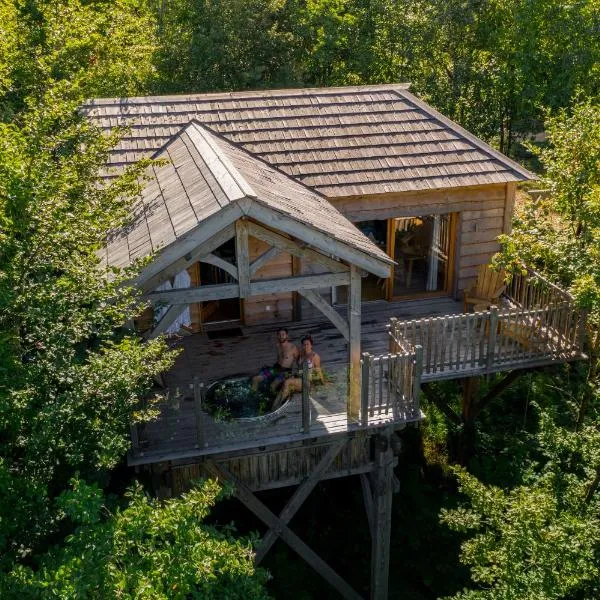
x=529 y=289
x=493 y=340
x=538 y=324
x=391 y=385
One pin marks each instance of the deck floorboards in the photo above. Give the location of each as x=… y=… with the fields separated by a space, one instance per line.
x=174 y=437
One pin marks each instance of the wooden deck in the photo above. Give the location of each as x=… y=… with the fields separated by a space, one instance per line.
x=175 y=434
x=211 y=360
x=404 y=343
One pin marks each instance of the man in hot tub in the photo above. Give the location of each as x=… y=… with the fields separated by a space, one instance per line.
x=287 y=355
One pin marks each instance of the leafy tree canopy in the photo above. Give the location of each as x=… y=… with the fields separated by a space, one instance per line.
x=147 y=550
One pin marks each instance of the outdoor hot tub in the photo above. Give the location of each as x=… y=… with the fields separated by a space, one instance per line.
x=233 y=398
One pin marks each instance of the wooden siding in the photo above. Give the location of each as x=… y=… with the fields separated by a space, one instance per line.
x=270 y=308
x=263 y=471
x=485 y=212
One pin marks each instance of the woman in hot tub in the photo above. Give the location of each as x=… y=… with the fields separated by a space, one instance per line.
x=315 y=375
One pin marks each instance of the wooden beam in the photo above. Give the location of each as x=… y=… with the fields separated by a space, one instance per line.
x=167 y=320
x=263 y=259
x=242 y=492
x=497 y=389
x=382 y=517
x=319 y=302
x=354 y=369
x=297 y=283
x=217 y=261
x=509 y=206
x=243 y=257
x=188 y=243
x=188 y=260
x=202 y=293
x=368 y=499
x=287 y=245
x=441 y=404
x=300 y=495
x=324 y=242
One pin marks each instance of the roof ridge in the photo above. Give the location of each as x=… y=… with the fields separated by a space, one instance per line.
x=211 y=140
x=262 y=161
x=228 y=177
x=404 y=93
x=241 y=93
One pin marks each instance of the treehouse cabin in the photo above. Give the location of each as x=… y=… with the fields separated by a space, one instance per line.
x=357 y=215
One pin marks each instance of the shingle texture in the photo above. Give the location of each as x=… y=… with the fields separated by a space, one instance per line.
x=203 y=174
x=339 y=141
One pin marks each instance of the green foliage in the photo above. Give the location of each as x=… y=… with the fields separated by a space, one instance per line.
x=70 y=379
x=224 y=45
x=147 y=550
x=532 y=542
x=562 y=233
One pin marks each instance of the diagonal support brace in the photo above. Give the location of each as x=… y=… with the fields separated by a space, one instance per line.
x=245 y=495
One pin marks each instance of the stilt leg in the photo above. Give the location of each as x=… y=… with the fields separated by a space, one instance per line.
x=382 y=517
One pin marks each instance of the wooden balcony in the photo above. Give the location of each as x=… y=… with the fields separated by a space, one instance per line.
x=535 y=324
x=405 y=343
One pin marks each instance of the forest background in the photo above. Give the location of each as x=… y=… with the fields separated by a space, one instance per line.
x=520 y=519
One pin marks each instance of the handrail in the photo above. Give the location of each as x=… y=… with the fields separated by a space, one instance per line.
x=483 y=341
x=532 y=290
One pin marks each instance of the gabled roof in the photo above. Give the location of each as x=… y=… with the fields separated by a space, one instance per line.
x=339 y=141
x=206 y=176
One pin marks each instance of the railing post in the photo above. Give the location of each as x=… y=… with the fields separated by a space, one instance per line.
x=364 y=390
x=492 y=338
x=198 y=401
x=417 y=380
x=582 y=331
x=305 y=398
x=392 y=333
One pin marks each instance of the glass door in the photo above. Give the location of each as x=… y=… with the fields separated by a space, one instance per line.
x=422 y=249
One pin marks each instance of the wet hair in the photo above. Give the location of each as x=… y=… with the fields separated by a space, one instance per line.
x=282 y=329
x=307 y=338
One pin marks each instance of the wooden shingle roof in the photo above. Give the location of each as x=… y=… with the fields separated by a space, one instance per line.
x=205 y=176
x=339 y=141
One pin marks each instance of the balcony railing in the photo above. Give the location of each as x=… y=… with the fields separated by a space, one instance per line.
x=536 y=323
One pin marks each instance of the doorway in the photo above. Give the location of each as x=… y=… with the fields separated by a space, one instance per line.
x=422 y=248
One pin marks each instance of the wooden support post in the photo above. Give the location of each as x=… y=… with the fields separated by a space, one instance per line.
x=368 y=499
x=582 y=329
x=300 y=495
x=354 y=345
x=305 y=398
x=491 y=349
x=470 y=388
x=417 y=377
x=242 y=253
x=382 y=517
x=198 y=401
x=364 y=391
x=243 y=493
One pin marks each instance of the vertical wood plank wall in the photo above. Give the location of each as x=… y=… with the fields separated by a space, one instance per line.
x=269 y=308
x=484 y=213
